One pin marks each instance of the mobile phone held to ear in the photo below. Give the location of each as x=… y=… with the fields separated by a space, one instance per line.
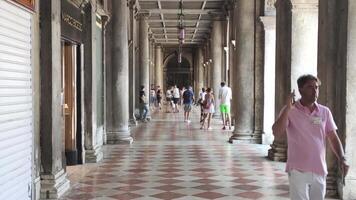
x=293 y=96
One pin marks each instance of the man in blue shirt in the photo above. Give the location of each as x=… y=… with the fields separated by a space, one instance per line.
x=188 y=98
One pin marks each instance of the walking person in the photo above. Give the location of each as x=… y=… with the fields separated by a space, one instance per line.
x=308 y=126
x=208 y=105
x=225 y=96
x=143 y=104
x=152 y=97
x=159 y=97
x=176 y=98
x=169 y=99
x=202 y=94
x=188 y=99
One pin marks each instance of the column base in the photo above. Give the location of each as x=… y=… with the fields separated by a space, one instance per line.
x=243 y=138
x=54 y=186
x=132 y=122
x=278 y=151
x=94 y=155
x=119 y=137
x=36 y=188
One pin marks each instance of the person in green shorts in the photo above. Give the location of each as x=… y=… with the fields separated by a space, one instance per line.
x=225 y=96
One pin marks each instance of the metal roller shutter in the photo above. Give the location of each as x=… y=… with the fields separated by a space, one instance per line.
x=16 y=113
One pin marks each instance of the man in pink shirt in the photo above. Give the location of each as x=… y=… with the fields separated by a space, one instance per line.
x=307 y=126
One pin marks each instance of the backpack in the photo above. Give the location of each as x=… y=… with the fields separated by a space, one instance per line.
x=207 y=103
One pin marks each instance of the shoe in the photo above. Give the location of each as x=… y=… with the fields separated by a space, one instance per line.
x=209 y=128
x=188 y=121
x=224 y=128
x=201 y=128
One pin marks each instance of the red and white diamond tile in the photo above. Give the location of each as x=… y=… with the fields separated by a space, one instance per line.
x=170 y=159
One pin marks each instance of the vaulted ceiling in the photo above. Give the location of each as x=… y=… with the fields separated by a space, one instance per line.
x=163 y=19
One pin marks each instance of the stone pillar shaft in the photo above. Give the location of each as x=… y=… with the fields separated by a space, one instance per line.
x=269 y=23
x=243 y=72
x=332 y=43
x=159 y=68
x=258 y=79
x=132 y=66
x=200 y=68
x=93 y=148
x=54 y=182
x=144 y=54
x=304 y=22
x=296 y=53
x=216 y=65
x=152 y=62
x=120 y=74
x=350 y=129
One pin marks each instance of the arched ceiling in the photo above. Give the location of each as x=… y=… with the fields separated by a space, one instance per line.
x=198 y=15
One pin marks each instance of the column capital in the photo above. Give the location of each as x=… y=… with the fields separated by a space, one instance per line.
x=270 y=8
x=230 y=5
x=304 y=5
x=142 y=15
x=131 y=4
x=269 y=22
x=299 y=5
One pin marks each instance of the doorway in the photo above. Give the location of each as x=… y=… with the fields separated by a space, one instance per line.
x=71 y=102
x=179 y=74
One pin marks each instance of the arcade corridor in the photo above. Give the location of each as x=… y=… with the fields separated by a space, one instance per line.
x=171 y=159
x=76 y=76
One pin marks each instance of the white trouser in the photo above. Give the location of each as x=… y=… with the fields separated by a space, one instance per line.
x=306 y=185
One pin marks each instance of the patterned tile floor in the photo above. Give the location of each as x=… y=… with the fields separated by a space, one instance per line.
x=171 y=159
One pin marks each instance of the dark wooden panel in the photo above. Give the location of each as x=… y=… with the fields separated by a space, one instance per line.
x=30 y=4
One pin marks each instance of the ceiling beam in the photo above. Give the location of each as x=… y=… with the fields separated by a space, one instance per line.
x=176 y=0
x=199 y=18
x=176 y=43
x=176 y=40
x=176 y=28
x=162 y=18
x=174 y=34
x=176 y=20
x=185 y=11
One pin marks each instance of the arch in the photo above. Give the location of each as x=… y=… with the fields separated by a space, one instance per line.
x=179 y=74
x=172 y=55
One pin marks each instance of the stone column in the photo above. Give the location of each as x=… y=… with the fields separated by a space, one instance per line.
x=232 y=52
x=243 y=73
x=137 y=61
x=200 y=70
x=304 y=39
x=144 y=73
x=120 y=132
x=54 y=182
x=159 y=67
x=152 y=61
x=350 y=137
x=296 y=54
x=92 y=145
x=259 y=70
x=332 y=45
x=132 y=64
x=216 y=65
x=269 y=24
